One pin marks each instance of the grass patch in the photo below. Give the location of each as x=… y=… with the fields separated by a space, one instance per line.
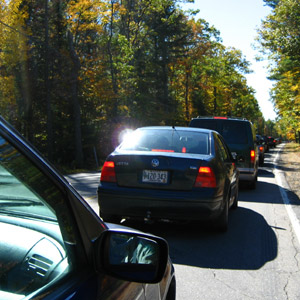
x=292 y=147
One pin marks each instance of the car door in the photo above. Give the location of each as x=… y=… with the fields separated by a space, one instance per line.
x=47 y=233
x=226 y=159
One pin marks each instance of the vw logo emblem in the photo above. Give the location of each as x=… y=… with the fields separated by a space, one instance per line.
x=155 y=162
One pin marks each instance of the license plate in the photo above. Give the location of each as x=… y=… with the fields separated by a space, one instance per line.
x=155 y=176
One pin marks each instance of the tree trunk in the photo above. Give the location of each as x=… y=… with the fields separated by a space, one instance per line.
x=47 y=89
x=215 y=101
x=187 y=112
x=75 y=102
x=112 y=68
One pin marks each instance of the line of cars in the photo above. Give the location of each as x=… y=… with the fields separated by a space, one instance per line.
x=264 y=144
x=180 y=173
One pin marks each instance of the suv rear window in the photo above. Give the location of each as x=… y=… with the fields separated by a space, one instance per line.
x=207 y=124
x=234 y=132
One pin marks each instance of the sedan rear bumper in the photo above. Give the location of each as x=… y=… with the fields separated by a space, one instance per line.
x=195 y=205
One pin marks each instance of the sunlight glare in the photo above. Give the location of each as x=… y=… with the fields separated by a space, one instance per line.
x=129 y=138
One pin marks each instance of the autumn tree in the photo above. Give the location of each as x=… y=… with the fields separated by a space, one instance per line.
x=15 y=83
x=278 y=38
x=211 y=77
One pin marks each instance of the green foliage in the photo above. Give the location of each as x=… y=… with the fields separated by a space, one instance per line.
x=271 y=3
x=279 y=38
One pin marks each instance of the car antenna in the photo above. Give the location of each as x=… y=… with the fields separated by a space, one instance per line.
x=174 y=129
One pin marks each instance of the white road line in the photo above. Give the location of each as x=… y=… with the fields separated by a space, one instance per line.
x=283 y=186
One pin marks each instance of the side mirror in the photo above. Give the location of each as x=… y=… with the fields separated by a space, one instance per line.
x=234 y=156
x=132 y=256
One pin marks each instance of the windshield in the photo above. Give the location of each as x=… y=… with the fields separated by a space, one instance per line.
x=167 y=140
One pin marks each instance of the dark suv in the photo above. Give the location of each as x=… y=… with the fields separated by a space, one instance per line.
x=240 y=137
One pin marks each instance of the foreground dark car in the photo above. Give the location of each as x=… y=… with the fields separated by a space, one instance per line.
x=179 y=174
x=53 y=245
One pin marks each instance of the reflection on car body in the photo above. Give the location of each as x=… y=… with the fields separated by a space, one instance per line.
x=53 y=245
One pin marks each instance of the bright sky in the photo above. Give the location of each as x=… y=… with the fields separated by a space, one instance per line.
x=237 y=21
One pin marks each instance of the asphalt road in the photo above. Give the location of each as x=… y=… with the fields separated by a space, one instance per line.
x=259 y=256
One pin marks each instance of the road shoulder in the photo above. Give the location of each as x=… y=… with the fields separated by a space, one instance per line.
x=289 y=163
x=287 y=173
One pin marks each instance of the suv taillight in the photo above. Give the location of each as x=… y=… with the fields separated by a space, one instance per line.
x=252 y=155
x=205 y=178
x=108 y=173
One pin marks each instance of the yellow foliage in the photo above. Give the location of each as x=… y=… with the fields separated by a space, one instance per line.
x=14 y=48
x=87 y=15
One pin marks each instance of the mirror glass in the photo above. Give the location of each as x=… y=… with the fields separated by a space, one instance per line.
x=134 y=256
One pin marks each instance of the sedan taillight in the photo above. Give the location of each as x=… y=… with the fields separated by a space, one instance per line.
x=108 y=173
x=205 y=178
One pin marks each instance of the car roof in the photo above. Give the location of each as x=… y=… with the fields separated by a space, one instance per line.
x=179 y=128
x=222 y=118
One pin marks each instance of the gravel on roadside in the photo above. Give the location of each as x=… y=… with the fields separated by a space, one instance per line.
x=290 y=163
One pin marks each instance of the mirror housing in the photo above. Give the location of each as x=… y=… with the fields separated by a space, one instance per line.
x=132 y=256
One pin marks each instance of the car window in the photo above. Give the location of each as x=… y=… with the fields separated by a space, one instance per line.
x=35 y=228
x=167 y=140
x=221 y=149
x=16 y=198
x=208 y=124
x=235 y=132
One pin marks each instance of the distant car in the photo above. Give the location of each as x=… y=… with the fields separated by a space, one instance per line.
x=54 y=246
x=240 y=137
x=265 y=138
x=170 y=173
x=261 y=149
x=271 y=142
x=278 y=141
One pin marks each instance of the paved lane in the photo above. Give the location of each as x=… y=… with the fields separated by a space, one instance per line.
x=259 y=256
